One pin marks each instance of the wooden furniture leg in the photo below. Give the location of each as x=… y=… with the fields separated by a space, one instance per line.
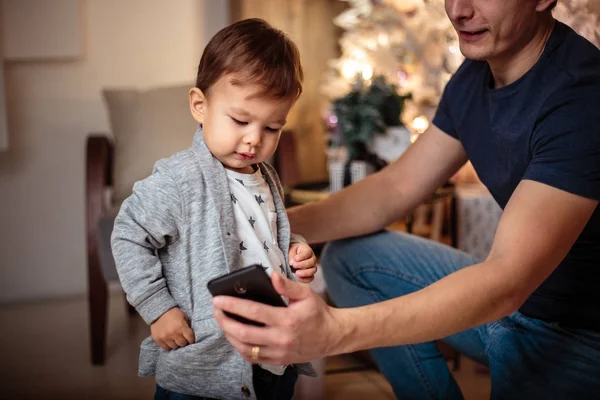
x=98 y=176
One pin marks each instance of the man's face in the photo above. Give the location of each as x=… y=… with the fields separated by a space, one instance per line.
x=492 y=29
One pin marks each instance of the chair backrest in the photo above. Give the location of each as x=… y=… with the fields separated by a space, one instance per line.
x=285 y=160
x=146 y=126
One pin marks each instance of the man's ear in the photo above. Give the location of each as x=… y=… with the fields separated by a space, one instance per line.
x=197 y=104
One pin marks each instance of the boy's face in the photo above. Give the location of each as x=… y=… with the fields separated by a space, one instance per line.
x=240 y=127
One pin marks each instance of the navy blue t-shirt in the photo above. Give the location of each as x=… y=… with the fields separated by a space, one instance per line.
x=544 y=127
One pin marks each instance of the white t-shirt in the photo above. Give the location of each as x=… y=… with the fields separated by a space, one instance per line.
x=256 y=227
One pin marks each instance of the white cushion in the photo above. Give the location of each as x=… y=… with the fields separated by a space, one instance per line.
x=147 y=126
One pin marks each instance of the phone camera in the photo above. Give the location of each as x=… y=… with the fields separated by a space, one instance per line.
x=239 y=288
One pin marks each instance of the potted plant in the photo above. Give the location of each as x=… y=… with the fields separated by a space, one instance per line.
x=364 y=113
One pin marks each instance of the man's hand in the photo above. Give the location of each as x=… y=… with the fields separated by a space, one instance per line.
x=305 y=330
x=172 y=330
x=304 y=262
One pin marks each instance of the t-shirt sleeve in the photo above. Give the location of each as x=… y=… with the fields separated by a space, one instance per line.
x=565 y=144
x=442 y=118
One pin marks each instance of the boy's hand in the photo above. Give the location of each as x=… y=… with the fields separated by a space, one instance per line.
x=303 y=260
x=172 y=330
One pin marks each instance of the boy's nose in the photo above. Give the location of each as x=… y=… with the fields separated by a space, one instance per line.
x=252 y=138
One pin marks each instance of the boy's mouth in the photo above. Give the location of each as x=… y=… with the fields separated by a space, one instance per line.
x=245 y=156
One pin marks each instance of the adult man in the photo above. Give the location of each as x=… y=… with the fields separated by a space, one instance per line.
x=523 y=108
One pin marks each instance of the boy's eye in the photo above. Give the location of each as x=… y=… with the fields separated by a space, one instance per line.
x=237 y=121
x=274 y=130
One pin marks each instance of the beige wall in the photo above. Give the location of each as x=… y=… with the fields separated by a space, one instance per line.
x=53 y=106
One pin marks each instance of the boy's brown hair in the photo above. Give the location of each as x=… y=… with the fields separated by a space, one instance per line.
x=258 y=54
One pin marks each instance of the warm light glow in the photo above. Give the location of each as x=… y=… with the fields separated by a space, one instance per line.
x=383 y=39
x=349 y=69
x=367 y=72
x=359 y=54
x=371 y=44
x=420 y=124
x=402 y=78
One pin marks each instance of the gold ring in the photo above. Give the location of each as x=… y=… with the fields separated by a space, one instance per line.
x=255 y=353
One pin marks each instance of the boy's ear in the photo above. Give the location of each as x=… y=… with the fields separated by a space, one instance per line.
x=543 y=5
x=197 y=104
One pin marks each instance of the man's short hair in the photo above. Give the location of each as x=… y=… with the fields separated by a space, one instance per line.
x=256 y=53
x=551 y=6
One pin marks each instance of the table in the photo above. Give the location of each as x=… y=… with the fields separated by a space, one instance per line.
x=315 y=191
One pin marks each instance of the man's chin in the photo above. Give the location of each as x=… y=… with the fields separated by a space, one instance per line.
x=473 y=53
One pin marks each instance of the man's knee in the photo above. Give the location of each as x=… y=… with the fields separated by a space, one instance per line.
x=353 y=251
x=334 y=253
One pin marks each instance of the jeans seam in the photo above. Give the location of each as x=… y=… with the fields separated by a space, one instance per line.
x=490 y=328
x=410 y=279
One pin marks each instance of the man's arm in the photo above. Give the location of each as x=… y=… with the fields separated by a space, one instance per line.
x=384 y=197
x=537 y=230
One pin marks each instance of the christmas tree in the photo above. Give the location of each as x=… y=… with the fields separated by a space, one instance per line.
x=412 y=44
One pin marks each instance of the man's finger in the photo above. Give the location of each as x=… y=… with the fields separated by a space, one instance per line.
x=171 y=344
x=265 y=355
x=243 y=332
x=249 y=309
x=248 y=334
x=292 y=290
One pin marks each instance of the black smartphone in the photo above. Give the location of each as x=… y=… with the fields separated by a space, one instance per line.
x=250 y=283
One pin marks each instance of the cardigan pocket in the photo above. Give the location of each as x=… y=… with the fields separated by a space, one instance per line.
x=210 y=351
x=149 y=354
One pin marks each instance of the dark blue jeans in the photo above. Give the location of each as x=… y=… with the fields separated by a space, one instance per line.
x=268 y=386
x=528 y=358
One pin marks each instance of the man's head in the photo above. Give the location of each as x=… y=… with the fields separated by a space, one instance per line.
x=496 y=29
x=248 y=79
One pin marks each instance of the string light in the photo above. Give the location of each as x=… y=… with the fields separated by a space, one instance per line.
x=383 y=39
x=367 y=72
x=349 y=69
x=420 y=124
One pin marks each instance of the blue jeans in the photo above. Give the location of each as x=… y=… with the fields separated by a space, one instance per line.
x=528 y=358
x=267 y=386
